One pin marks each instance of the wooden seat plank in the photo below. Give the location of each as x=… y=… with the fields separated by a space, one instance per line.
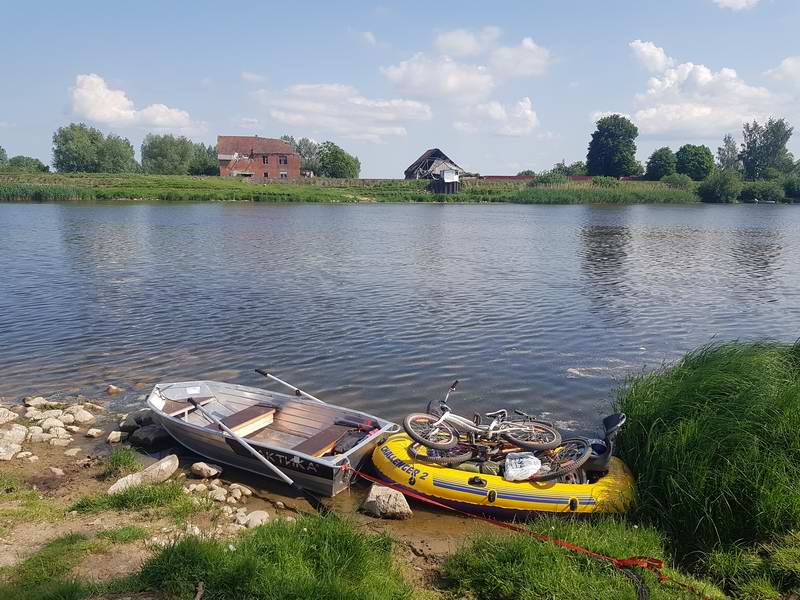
x=323 y=442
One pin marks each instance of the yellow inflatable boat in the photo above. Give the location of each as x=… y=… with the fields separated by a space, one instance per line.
x=492 y=495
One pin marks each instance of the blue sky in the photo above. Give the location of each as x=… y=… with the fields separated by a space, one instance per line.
x=498 y=86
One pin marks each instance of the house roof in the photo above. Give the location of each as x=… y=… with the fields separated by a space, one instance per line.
x=427 y=158
x=251 y=144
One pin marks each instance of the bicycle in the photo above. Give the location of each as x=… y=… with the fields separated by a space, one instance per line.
x=444 y=431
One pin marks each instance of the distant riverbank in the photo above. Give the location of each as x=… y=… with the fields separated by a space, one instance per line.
x=54 y=187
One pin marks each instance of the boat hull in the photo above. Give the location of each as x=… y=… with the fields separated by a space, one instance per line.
x=497 y=497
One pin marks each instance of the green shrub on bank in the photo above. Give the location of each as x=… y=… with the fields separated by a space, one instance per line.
x=720 y=187
x=625 y=194
x=713 y=444
x=606 y=182
x=503 y=567
x=791 y=187
x=762 y=191
x=550 y=178
x=678 y=181
x=314 y=557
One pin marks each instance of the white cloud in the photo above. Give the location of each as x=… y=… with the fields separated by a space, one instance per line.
x=516 y=120
x=94 y=100
x=651 y=57
x=251 y=77
x=341 y=110
x=462 y=42
x=369 y=38
x=736 y=4
x=693 y=100
x=526 y=60
x=440 y=77
x=788 y=70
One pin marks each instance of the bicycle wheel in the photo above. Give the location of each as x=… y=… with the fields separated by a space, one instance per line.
x=532 y=435
x=570 y=456
x=420 y=427
x=455 y=456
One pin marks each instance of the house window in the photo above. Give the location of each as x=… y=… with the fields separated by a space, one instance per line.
x=284 y=175
x=266 y=175
x=266 y=159
x=283 y=159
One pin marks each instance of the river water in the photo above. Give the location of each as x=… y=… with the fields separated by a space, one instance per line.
x=380 y=307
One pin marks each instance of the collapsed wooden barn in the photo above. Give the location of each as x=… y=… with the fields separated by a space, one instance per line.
x=435 y=165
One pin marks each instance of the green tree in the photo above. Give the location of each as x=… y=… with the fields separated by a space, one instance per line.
x=527 y=173
x=204 y=160
x=728 y=155
x=612 y=150
x=79 y=148
x=3 y=157
x=660 y=164
x=695 y=161
x=576 y=168
x=166 y=154
x=764 y=148
x=26 y=164
x=335 y=162
x=721 y=186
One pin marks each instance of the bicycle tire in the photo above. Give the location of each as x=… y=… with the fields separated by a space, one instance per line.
x=447 y=461
x=567 y=467
x=419 y=437
x=553 y=442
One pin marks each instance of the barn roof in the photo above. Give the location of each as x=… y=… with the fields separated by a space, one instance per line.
x=246 y=145
x=429 y=155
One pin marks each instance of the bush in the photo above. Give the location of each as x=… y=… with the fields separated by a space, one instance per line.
x=549 y=178
x=678 y=181
x=695 y=161
x=722 y=186
x=660 y=164
x=314 y=557
x=606 y=182
x=791 y=187
x=712 y=442
x=762 y=191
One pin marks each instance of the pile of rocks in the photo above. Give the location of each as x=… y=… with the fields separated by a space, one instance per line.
x=140 y=430
x=53 y=423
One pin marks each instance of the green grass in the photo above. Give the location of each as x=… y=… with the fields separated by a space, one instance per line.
x=518 y=567
x=122 y=461
x=81 y=186
x=124 y=534
x=20 y=504
x=713 y=443
x=315 y=557
x=132 y=499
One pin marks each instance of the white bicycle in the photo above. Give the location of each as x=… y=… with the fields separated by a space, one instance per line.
x=447 y=429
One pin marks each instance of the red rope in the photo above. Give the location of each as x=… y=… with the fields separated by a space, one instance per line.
x=655 y=565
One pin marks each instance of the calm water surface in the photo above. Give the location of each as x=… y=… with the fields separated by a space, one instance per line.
x=379 y=307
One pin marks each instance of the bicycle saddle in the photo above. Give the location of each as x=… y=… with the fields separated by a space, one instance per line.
x=498 y=413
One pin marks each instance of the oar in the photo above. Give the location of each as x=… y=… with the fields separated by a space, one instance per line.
x=297 y=391
x=312 y=499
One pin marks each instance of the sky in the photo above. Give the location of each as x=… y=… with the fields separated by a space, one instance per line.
x=499 y=87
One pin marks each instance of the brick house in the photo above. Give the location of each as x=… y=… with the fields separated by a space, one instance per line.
x=256 y=157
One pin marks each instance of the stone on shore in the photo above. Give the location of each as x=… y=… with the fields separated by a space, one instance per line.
x=6 y=416
x=386 y=503
x=91 y=406
x=56 y=471
x=218 y=494
x=72 y=452
x=50 y=423
x=11 y=441
x=256 y=518
x=23 y=454
x=48 y=414
x=144 y=417
x=60 y=442
x=72 y=428
x=59 y=432
x=151 y=437
x=83 y=417
x=246 y=491
x=113 y=389
x=205 y=471
x=40 y=438
x=128 y=424
x=94 y=433
x=36 y=402
x=155 y=473
x=67 y=418
x=115 y=437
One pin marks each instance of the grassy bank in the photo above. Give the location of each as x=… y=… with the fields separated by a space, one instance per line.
x=43 y=187
x=713 y=442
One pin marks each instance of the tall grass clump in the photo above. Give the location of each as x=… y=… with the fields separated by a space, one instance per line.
x=11 y=191
x=122 y=461
x=314 y=557
x=139 y=497
x=503 y=567
x=713 y=443
x=625 y=193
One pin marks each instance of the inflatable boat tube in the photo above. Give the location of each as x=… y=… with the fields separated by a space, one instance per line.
x=491 y=495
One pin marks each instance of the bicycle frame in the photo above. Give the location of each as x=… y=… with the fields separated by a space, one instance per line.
x=464 y=425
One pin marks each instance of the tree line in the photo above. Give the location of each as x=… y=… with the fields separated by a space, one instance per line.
x=78 y=148
x=761 y=167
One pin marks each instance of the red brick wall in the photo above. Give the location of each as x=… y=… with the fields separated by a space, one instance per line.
x=258 y=169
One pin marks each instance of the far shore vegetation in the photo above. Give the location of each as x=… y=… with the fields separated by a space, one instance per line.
x=90 y=165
